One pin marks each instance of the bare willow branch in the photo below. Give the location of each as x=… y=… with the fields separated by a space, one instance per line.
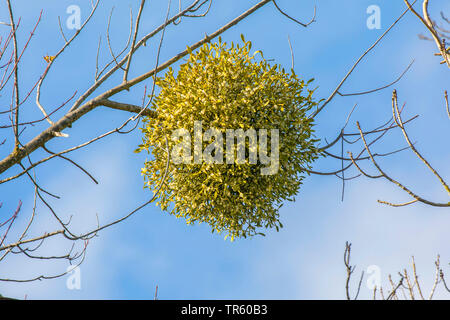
x=384 y=175
x=334 y=93
x=350 y=270
x=446 y=103
x=380 y=88
x=77 y=113
x=133 y=43
x=313 y=19
x=437 y=277
x=50 y=64
x=426 y=20
x=398 y=119
x=16 y=75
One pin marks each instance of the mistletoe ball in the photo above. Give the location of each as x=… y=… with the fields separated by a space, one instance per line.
x=231 y=141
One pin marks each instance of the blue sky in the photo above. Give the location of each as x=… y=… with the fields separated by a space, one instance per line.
x=303 y=260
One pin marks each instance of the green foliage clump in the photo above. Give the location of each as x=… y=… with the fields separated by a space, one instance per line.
x=228 y=88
